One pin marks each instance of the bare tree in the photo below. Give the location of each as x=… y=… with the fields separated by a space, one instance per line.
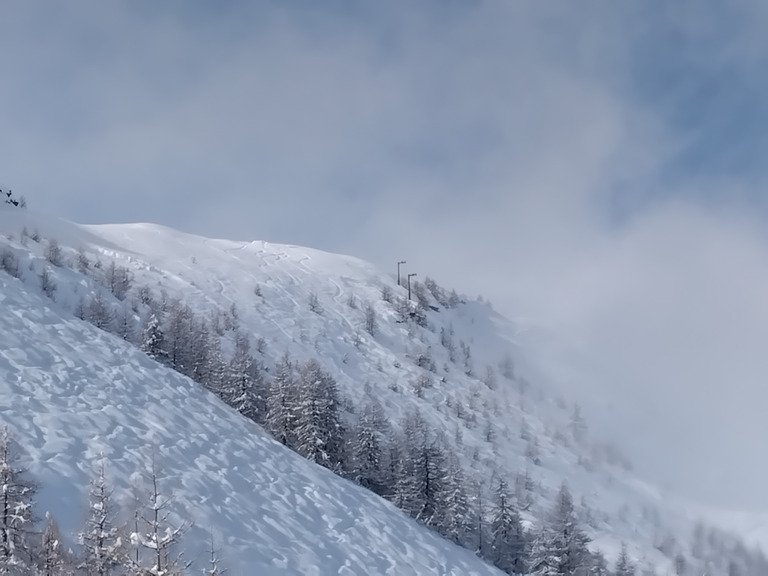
x=371 y=324
x=53 y=252
x=155 y=531
x=47 y=283
x=102 y=543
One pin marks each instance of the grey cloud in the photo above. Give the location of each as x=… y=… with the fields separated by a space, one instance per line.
x=518 y=150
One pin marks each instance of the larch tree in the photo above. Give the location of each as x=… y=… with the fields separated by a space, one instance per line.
x=282 y=403
x=508 y=539
x=367 y=453
x=156 y=532
x=153 y=338
x=560 y=546
x=16 y=518
x=244 y=389
x=103 y=546
x=624 y=566
x=52 y=558
x=319 y=431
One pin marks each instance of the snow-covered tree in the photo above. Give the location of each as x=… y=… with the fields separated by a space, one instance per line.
x=422 y=486
x=118 y=279
x=371 y=323
x=599 y=565
x=507 y=367
x=479 y=529
x=244 y=387
x=156 y=533
x=98 y=313
x=153 y=338
x=282 y=403
x=367 y=453
x=508 y=539
x=578 y=425
x=213 y=564
x=47 y=283
x=560 y=546
x=103 y=546
x=16 y=519
x=82 y=262
x=177 y=329
x=10 y=263
x=455 y=518
x=624 y=566
x=125 y=325
x=319 y=430
x=53 y=252
x=53 y=559
x=411 y=466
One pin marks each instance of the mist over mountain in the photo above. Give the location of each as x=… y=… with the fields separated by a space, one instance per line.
x=147 y=346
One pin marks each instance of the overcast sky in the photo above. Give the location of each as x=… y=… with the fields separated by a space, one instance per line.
x=595 y=168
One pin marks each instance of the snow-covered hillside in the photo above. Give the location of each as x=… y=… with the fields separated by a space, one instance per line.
x=70 y=392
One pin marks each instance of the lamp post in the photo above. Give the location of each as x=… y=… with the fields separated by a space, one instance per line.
x=398 y=271
x=409 y=284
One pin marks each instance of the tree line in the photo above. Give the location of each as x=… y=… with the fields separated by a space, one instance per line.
x=147 y=545
x=409 y=464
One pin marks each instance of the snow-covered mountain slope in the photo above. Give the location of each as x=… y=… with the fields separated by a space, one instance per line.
x=454 y=369
x=70 y=392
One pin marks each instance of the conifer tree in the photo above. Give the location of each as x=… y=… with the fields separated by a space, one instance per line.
x=103 y=547
x=456 y=517
x=53 y=560
x=98 y=313
x=624 y=565
x=560 y=547
x=508 y=541
x=367 y=453
x=156 y=533
x=244 y=387
x=118 y=280
x=599 y=565
x=153 y=339
x=319 y=431
x=214 y=369
x=213 y=564
x=282 y=403
x=410 y=477
x=178 y=328
x=16 y=519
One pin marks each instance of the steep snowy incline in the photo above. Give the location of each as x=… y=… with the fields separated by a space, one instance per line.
x=70 y=392
x=493 y=393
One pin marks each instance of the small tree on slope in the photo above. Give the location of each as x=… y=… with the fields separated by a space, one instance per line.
x=624 y=565
x=155 y=532
x=560 y=547
x=102 y=545
x=16 y=518
x=319 y=431
x=508 y=541
x=52 y=559
x=282 y=403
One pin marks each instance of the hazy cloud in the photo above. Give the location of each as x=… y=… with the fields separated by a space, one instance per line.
x=597 y=170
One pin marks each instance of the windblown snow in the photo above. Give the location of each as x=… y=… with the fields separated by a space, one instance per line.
x=71 y=392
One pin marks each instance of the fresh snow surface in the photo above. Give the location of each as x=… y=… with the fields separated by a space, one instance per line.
x=75 y=392
x=71 y=393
